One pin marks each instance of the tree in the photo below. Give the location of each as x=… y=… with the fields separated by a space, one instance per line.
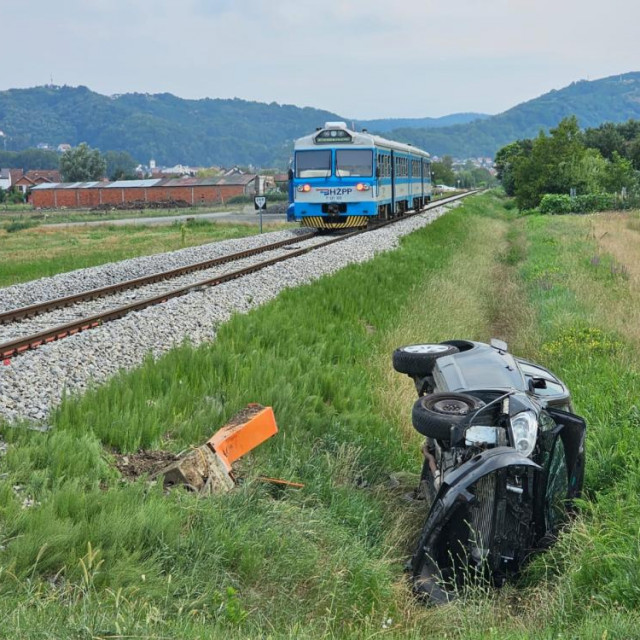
x=82 y=164
x=210 y=172
x=29 y=159
x=505 y=160
x=607 y=139
x=120 y=165
x=619 y=174
x=593 y=169
x=442 y=172
x=554 y=165
x=633 y=153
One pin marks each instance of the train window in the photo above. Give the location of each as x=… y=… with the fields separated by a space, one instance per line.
x=354 y=162
x=313 y=164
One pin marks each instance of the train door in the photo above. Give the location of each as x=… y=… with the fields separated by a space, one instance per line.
x=392 y=213
x=428 y=186
x=409 y=184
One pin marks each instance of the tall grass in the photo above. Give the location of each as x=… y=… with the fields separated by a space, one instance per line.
x=95 y=556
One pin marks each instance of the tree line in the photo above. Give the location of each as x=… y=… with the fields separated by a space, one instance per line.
x=572 y=162
x=80 y=164
x=466 y=177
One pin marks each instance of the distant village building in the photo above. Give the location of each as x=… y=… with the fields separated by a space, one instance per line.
x=171 y=172
x=281 y=181
x=36 y=177
x=63 y=147
x=5 y=179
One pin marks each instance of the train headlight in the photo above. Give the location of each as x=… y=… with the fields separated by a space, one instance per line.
x=361 y=186
x=304 y=188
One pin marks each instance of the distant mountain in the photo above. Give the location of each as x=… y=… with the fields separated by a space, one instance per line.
x=230 y=132
x=612 y=99
x=388 y=124
x=161 y=126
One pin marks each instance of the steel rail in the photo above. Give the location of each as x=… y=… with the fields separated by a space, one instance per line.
x=12 y=315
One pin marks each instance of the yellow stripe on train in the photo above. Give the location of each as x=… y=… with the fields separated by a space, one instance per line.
x=318 y=222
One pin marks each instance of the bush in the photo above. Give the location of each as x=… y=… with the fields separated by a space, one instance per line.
x=555 y=203
x=240 y=200
x=271 y=197
x=18 y=225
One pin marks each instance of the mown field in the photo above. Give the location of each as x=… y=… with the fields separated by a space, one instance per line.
x=27 y=253
x=96 y=557
x=26 y=213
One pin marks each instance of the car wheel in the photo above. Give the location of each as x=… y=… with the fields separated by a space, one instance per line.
x=419 y=359
x=435 y=414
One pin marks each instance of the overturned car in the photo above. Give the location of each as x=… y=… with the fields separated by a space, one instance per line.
x=503 y=461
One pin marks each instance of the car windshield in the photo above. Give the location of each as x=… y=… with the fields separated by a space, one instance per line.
x=313 y=164
x=354 y=162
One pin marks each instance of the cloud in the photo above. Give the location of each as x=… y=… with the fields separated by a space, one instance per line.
x=360 y=58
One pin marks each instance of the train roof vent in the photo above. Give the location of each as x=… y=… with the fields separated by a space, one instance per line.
x=335 y=125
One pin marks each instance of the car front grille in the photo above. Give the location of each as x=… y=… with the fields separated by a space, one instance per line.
x=482 y=518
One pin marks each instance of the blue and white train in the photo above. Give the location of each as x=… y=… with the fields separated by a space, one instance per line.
x=341 y=178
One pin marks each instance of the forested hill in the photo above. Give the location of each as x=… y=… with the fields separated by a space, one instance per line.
x=388 y=124
x=227 y=132
x=169 y=129
x=612 y=99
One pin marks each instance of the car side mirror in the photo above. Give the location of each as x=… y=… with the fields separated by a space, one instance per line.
x=537 y=383
x=290 y=173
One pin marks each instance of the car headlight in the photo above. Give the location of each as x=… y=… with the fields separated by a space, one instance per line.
x=524 y=428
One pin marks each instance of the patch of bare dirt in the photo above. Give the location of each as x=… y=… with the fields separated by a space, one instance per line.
x=244 y=415
x=134 y=465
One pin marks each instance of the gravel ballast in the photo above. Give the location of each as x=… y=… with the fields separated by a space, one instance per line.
x=32 y=384
x=66 y=284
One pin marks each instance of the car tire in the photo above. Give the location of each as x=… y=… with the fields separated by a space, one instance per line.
x=435 y=414
x=419 y=359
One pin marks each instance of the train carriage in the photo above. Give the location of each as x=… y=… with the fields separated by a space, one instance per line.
x=344 y=179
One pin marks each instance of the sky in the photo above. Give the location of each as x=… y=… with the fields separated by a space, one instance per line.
x=360 y=59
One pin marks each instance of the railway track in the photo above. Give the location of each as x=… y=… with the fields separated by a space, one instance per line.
x=32 y=326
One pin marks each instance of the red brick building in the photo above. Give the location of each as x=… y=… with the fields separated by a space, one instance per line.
x=194 y=191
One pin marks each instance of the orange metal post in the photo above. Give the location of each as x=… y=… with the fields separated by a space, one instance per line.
x=234 y=440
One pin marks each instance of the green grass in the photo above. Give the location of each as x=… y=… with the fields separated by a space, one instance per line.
x=51 y=216
x=28 y=252
x=97 y=557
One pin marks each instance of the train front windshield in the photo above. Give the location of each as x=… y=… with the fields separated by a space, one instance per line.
x=354 y=162
x=313 y=164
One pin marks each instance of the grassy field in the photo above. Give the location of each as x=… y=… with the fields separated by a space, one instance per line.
x=29 y=253
x=85 y=555
x=26 y=213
